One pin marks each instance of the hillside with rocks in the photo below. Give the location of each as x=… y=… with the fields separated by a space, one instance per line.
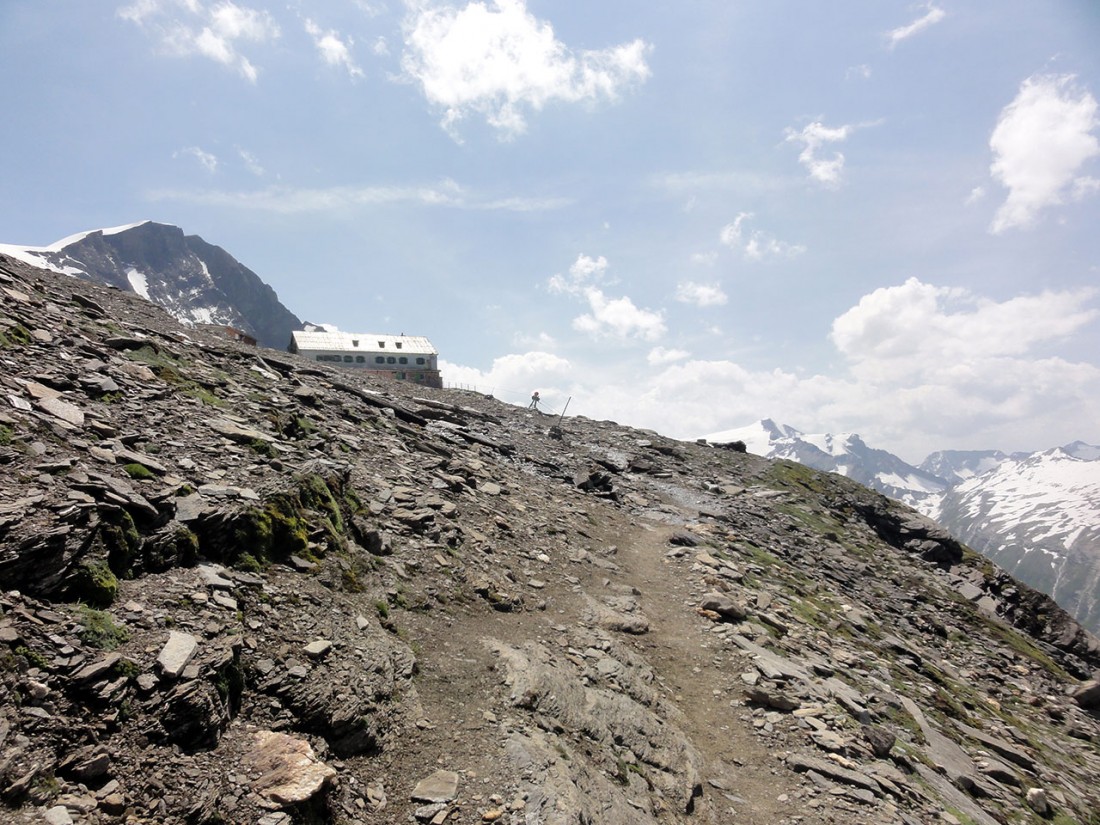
x=239 y=587
x=1037 y=515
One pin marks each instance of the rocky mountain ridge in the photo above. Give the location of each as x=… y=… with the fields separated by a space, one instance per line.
x=237 y=586
x=197 y=282
x=1035 y=514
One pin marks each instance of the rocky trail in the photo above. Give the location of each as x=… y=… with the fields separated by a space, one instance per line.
x=236 y=586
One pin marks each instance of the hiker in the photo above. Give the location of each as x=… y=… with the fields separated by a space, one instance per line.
x=534 y=401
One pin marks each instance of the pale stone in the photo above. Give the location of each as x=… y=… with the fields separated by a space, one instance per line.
x=176 y=653
x=441 y=786
x=288 y=770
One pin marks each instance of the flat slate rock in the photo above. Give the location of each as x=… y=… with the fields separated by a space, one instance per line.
x=441 y=786
x=177 y=653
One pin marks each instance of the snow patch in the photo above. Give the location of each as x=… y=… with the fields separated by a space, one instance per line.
x=138 y=282
x=57 y=246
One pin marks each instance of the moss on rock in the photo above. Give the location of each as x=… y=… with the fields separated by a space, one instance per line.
x=94 y=583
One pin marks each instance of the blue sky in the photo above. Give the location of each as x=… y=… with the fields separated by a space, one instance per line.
x=881 y=217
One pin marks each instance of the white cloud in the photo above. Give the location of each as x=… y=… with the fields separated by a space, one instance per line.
x=587 y=269
x=497 y=60
x=976 y=194
x=933 y=15
x=813 y=137
x=762 y=246
x=139 y=11
x=618 y=318
x=918 y=328
x=370 y=9
x=514 y=377
x=542 y=341
x=215 y=33
x=582 y=272
x=704 y=258
x=332 y=48
x=1041 y=141
x=1083 y=187
x=659 y=356
x=920 y=367
x=208 y=160
x=759 y=245
x=251 y=162
x=702 y=295
x=381 y=47
x=290 y=200
x=731 y=232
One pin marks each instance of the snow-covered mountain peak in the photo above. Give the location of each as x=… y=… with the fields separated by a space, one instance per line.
x=196 y=282
x=1036 y=514
x=843 y=453
x=57 y=246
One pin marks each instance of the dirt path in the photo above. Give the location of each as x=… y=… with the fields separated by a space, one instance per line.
x=466 y=711
x=703 y=679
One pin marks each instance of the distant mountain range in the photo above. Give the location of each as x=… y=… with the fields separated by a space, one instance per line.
x=196 y=282
x=1037 y=515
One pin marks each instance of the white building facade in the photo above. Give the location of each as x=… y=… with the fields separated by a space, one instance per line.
x=401 y=357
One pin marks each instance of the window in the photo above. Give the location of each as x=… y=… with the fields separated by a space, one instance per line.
x=378 y=359
x=322 y=357
x=359 y=359
x=401 y=375
x=397 y=344
x=347 y=359
x=402 y=360
x=381 y=345
x=391 y=360
x=420 y=361
x=355 y=342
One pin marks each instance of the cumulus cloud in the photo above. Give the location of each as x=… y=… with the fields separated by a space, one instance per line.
x=139 y=11
x=582 y=272
x=333 y=49
x=214 y=31
x=931 y=17
x=916 y=328
x=756 y=245
x=497 y=60
x=955 y=365
x=702 y=295
x=1040 y=143
x=514 y=377
x=731 y=232
x=208 y=160
x=616 y=318
x=813 y=138
x=920 y=367
x=659 y=356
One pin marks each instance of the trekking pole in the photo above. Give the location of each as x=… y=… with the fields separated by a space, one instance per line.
x=563 y=409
